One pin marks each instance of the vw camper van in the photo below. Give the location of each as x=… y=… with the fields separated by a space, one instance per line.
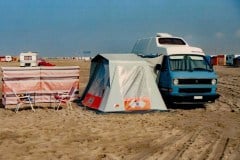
x=184 y=75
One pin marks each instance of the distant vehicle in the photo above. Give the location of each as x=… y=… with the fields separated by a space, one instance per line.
x=42 y=62
x=8 y=58
x=237 y=61
x=184 y=73
x=28 y=59
x=230 y=59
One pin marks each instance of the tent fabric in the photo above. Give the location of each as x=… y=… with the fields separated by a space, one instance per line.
x=121 y=82
x=41 y=82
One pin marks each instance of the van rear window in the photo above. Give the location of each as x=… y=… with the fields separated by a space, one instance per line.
x=171 y=41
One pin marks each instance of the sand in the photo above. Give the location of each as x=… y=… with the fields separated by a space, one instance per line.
x=186 y=132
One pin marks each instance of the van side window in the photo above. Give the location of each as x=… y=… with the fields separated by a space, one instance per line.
x=164 y=64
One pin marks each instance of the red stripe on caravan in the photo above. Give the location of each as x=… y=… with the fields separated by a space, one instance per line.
x=92 y=101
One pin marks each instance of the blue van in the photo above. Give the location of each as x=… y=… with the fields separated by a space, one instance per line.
x=184 y=74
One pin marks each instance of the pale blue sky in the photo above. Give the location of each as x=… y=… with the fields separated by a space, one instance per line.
x=69 y=27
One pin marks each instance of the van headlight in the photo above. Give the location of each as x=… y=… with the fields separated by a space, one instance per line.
x=175 y=81
x=214 y=81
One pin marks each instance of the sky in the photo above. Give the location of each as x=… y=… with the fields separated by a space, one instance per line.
x=55 y=28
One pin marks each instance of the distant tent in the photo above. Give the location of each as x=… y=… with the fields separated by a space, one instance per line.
x=121 y=82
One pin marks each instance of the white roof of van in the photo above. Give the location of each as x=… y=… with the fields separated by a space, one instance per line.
x=164 y=35
x=151 y=46
x=183 y=50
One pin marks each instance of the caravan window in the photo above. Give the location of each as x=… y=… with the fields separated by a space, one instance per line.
x=171 y=41
x=27 y=57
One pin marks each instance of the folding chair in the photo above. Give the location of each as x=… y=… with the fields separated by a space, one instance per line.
x=23 y=99
x=65 y=97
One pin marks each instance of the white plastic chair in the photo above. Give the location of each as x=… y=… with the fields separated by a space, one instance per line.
x=23 y=99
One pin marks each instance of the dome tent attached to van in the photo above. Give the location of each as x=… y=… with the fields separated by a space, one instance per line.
x=121 y=83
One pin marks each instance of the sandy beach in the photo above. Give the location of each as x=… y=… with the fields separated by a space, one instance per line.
x=185 y=132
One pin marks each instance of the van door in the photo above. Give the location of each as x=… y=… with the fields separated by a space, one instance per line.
x=164 y=83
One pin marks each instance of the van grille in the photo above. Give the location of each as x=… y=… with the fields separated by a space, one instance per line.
x=195 y=81
x=194 y=90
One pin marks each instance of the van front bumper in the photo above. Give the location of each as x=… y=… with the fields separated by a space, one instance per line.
x=191 y=99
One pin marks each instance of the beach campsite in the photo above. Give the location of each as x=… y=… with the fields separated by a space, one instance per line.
x=119 y=80
x=187 y=132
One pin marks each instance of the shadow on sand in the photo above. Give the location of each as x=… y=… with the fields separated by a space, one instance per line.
x=186 y=106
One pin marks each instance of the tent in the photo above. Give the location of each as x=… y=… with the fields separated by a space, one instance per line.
x=121 y=82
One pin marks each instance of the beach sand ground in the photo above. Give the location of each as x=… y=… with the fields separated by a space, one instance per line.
x=186 y=132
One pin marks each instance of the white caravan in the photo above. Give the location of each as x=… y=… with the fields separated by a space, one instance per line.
x=28 y=59
x=8 y=58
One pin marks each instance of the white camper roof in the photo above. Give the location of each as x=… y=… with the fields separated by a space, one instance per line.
x=165 y=44
x=164 y=35
x=170 y=50
x=28 y=53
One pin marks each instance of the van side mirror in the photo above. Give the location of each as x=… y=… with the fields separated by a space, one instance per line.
x=158 y=67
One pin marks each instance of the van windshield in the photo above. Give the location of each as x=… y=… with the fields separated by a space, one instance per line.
x=189 y=63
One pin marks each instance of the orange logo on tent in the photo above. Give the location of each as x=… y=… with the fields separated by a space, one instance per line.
x=139 y=103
